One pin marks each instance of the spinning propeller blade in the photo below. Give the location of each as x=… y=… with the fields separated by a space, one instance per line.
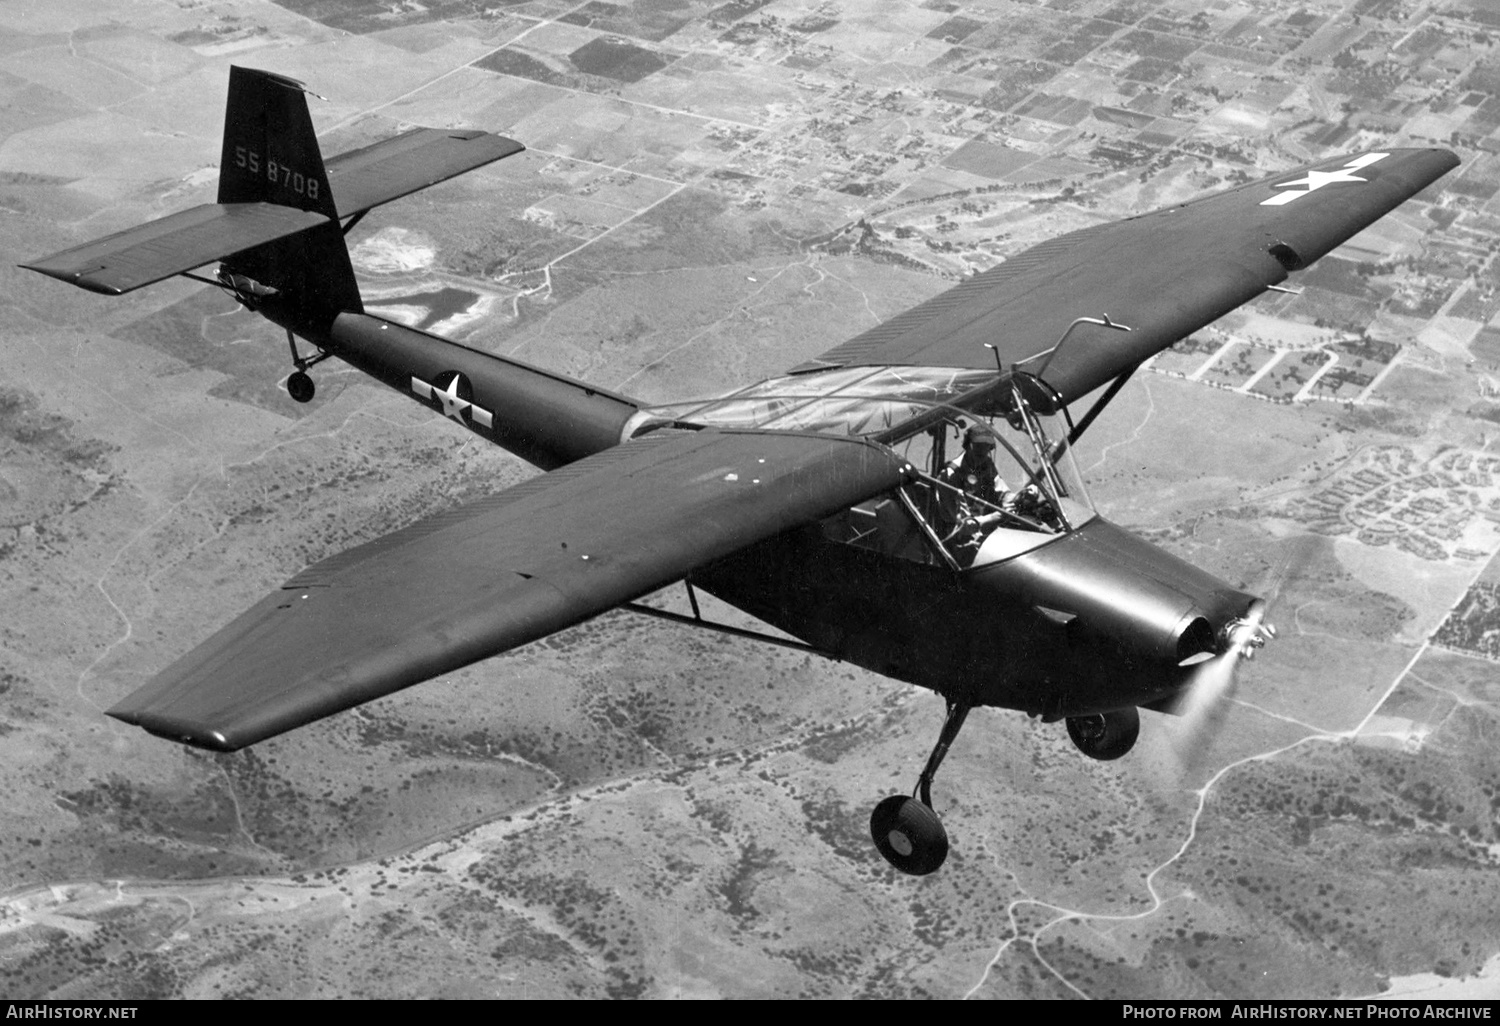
x=1205 y=701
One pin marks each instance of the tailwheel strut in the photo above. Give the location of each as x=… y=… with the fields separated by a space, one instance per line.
x=906 y=831
x=299 y=384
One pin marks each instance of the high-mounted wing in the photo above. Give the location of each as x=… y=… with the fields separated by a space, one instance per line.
x=497 y=573
x=1164 y=275
x=392 y=168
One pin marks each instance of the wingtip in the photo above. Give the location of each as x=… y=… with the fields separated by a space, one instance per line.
x=170 y=728
x=74 y=276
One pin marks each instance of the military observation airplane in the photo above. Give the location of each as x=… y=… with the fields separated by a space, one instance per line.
x=825 y=502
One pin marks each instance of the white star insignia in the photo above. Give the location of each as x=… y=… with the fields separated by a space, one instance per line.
x=1315 y=180
x=453 y=405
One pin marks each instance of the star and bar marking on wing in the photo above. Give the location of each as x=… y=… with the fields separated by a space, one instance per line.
x=455 y=396
x=1315 y=180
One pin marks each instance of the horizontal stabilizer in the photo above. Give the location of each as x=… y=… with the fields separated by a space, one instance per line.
x=500 y=572
x=171 y=245
x=392 y=168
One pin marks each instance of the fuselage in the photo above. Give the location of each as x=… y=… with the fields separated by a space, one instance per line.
x=547 y=419
x=1094 y=620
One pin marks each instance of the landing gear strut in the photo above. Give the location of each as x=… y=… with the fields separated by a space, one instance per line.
x=905 y=829
x=299 y=385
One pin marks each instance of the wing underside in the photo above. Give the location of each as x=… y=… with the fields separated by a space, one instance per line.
x=1164 y=275
x=495 y=574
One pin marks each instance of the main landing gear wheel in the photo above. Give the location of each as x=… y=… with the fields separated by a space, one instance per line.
x=909 y=835
x=1105 y=736
x=300 y=387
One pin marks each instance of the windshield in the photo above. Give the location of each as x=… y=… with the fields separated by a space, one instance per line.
x=994 y=487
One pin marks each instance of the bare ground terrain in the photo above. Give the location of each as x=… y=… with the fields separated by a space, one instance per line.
x=711 y=194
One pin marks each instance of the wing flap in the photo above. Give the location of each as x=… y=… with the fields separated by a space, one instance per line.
x=159 y=249
x=1164 y=274
x=489 y=577
x=393 y=168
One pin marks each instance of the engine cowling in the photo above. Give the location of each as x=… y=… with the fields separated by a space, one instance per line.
x=1118 y=620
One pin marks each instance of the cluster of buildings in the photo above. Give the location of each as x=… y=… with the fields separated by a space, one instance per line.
x=1391 y=499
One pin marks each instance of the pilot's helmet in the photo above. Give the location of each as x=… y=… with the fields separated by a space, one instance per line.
x=978 y=438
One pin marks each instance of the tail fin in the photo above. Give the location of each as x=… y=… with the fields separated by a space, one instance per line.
x=271 y=155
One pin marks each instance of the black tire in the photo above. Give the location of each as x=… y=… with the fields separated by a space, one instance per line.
x=909 y=835
x=300 y=387
x=1105 y=736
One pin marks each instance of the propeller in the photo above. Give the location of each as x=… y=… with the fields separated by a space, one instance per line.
x=1213 y=681
x=1202 y=705
x=1205 y=700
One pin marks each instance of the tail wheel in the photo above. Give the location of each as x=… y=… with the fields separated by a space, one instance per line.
x=298 y=384
x=909 y=835
x=1105 y=736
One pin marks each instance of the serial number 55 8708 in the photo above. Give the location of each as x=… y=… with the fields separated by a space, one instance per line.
x=278 y=174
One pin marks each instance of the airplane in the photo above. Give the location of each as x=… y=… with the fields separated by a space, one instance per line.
x=906 y=501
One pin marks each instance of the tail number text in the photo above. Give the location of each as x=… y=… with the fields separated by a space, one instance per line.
x=277 y=174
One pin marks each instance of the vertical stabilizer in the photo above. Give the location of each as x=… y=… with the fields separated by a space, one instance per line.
x=271 y=155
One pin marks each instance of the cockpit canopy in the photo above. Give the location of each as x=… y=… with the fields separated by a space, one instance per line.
x=843 y=400
x=992 y=472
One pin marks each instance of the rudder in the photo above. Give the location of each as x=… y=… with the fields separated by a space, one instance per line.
x=271 y=153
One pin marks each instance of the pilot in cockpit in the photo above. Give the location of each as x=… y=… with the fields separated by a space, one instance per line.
x=975 y=493
x=974 y=472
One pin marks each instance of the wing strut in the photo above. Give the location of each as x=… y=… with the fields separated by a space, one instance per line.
x=1100 y=404
x=696 y=620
